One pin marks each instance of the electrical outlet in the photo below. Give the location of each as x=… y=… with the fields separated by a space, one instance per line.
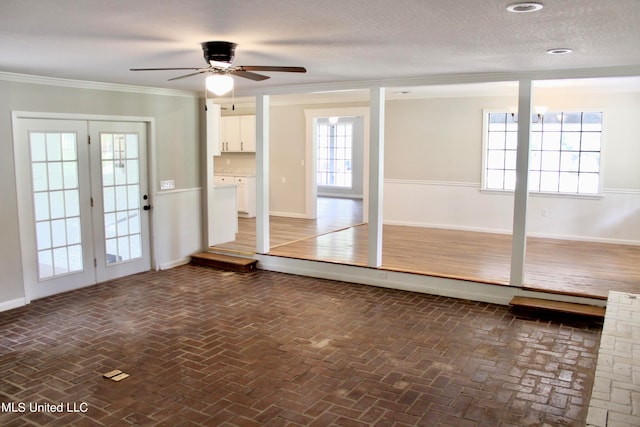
x=544 y=212
x=167 y=185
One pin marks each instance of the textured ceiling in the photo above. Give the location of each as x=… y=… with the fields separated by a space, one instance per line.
x=336 y=40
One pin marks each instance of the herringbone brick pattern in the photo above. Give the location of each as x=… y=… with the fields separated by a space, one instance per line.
x=213 y=348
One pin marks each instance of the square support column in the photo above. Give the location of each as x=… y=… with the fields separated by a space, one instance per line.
x=262 y=174
x=376 y=177
x=521 y=197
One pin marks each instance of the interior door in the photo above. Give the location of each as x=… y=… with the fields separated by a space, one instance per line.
x=121 y=202
x=81 y=205
x=52 y=165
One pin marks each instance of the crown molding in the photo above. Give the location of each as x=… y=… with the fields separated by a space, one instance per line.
x=84 y=84
x=456 y=79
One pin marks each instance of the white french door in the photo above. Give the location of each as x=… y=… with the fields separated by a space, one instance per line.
x=82 y=217
x=120 y=198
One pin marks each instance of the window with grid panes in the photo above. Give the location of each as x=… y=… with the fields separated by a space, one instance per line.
x=334 y=153
x=564 y=154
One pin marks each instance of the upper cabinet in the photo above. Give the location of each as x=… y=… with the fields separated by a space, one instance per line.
x=213 y=128
x=239 y=134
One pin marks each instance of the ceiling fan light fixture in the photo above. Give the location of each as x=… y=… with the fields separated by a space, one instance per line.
x=219 y=84
x=219 y=51
x=219 y=64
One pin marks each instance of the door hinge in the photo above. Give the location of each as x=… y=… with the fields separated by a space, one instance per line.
x=89 y=139
x=91 y=201
x=95 y=262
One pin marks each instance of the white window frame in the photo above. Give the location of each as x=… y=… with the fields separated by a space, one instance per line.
x=485 y=142
x=340 y=120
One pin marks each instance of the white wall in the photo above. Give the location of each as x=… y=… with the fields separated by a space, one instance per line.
x=433 y=169
x=433 y=161
x=178 y=230
x=178 y=131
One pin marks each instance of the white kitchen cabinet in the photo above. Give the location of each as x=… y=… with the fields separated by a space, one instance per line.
x=245 y=192
x=238 y=134
x=223 y=179
x=214 y=137
x=222 y=215
x=246 y=196
x=248 y=133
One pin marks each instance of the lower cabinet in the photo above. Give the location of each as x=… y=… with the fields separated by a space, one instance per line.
x=246 y=192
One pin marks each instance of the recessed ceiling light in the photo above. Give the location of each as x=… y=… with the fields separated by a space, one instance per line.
x=523 y=7
x=559 y=51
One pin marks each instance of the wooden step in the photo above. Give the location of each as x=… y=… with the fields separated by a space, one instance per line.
x=559 y=306
x=224 y=262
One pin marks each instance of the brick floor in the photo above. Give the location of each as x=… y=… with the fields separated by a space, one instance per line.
x=615 y=399
x=213 y=348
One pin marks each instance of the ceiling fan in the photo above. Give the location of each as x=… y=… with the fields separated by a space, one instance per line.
x=219 y=57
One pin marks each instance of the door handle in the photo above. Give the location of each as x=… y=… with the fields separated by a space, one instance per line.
x=146 y=207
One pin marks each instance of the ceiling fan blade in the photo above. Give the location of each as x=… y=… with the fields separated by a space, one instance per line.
x=188 y=75
x=164 y=69
x=272 y=68
x=248 y=75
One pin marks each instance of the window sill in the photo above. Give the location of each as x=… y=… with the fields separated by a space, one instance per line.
x=547 y=194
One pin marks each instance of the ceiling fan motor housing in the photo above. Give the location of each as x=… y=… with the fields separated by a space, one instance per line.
x=219 y=51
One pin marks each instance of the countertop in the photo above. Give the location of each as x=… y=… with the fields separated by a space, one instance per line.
x=246 y=172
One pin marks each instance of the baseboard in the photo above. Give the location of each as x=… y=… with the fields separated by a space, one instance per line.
x=289 y=214
x=174 y=263
x=447 y=227
x=11 y=304
x=340 y=195
x=590 y=239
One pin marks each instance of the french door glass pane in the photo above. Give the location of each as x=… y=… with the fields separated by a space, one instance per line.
x=54 y=170
x=334 y=154
x=120 y=187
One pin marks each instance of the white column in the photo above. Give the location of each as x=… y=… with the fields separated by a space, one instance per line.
x=376 y=176
x=212 y=148
x=262 y=174
x=519 y=240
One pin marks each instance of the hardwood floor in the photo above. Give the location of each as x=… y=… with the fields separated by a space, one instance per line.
x=557 y=266
x=332 y=214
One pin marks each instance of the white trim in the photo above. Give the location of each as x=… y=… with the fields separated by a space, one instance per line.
x=177 y=190
x=340 y=195
x=290 y=215
x=448 y=227
x=443 y=79
x=453 y=288
x=85 y=84
x=485 y=135
x=11 y=304
x=585 y=239
x=630 y=191
x=508 y=232
x=149 y=122
x=79 y=116
x=432 y=183
x=172 y=264
x=311 y=189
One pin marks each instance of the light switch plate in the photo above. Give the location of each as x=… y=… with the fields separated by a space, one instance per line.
x=167 y=185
